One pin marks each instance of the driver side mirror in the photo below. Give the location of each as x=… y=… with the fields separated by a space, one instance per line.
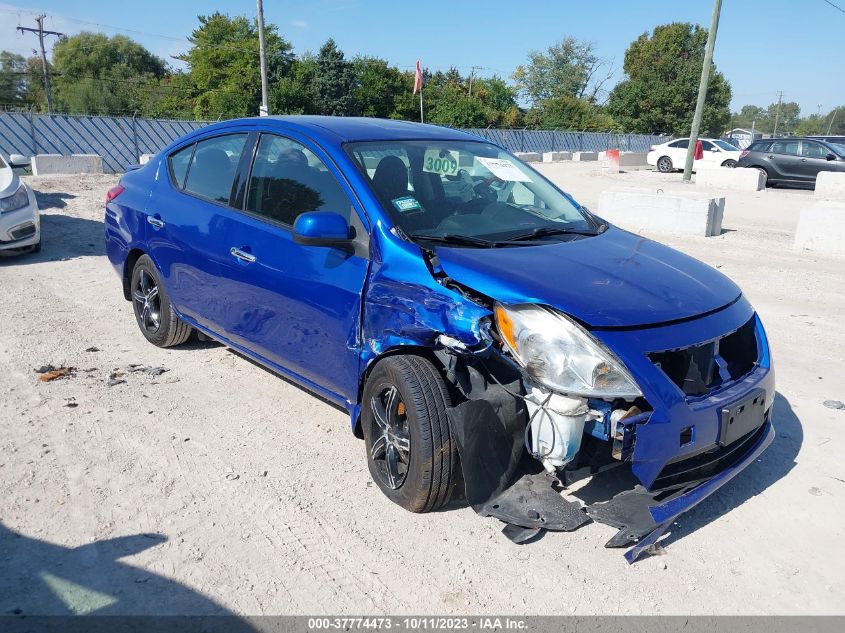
x=714 y=149
x=831 y=156
x=321 y=228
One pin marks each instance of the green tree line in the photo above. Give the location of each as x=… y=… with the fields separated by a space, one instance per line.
x=566 y=86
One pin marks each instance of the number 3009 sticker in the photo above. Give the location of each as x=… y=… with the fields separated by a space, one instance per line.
x=440 y=161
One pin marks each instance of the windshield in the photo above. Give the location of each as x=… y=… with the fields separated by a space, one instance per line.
x=838 y=148
x=467 y=193
x=726 y=146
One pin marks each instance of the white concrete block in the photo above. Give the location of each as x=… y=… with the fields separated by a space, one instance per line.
x=551 y=157
x=632 y=159
x=585 y=156
x=821 y=228
x=145 y=158
x=676 y=212
x=74 y=164
x=602 y=155
x=830 y=185
x=742 y=178
x=529 y=157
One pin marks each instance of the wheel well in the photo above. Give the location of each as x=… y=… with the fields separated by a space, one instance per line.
x=133 y=256
x=728 y=160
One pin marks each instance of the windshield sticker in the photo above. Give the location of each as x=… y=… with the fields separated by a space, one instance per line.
x=503 y=169
x=437 y=161
x=407 y=205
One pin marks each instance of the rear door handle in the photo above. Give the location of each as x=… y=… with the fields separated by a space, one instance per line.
x=243 y=256
x=803 y=160
x=159 y=224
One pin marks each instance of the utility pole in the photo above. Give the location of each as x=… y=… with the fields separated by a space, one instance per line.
x=471 y=73
x=832 y=118
x=777 y=113
x=40 y=32
x=265 y=108
x=702 y=89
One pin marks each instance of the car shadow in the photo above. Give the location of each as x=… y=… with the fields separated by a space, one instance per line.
x=38 y=578
x=774 y=464
x=52 y=200
x=63 y=237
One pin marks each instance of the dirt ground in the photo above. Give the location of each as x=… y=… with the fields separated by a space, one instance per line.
x=218 y=487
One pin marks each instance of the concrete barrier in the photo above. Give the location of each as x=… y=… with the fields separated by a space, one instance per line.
x=551 y=157
x=74 y=164
x=830 y=185
x=585 y=156
x=821 y=228
x=633 y=159
x=742 y=178
x=676 y=212
x=529 y=157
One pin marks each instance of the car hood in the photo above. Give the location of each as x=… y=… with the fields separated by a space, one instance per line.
x=9 y=182
x=615 y=279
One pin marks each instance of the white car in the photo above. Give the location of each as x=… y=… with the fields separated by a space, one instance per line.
x=20 y=223
x=673 y=155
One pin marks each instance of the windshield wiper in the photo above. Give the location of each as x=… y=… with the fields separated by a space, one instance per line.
x=458 y=240
x=545 y=231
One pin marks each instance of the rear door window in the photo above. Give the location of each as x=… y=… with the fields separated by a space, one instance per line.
x=213 y=166
x=759 y=146
x=179 y=164
x=682 y=144
x=789 y=148
x=707 y=146
x=288 y=179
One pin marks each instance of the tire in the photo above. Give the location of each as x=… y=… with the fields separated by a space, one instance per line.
x=414 y=416
x=729 y=163
x=153 y=311
x=664 y=165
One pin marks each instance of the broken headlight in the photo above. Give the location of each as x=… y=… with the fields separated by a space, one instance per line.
x=558 y=353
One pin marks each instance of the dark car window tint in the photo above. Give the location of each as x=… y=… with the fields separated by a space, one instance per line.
x=179 y=164
x=785 y=147
x=683 y=144
x=707 y=145
x=288 y=179
x=813 y=150
x=213 y=167
x=758 y=146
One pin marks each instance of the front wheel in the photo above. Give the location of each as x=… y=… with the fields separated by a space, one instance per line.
x=729 y=163
x=664 y=165
x=410 y=451
x=153 y=311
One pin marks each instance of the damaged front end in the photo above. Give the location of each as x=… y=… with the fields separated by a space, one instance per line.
x=558 y=423
x=635 y=458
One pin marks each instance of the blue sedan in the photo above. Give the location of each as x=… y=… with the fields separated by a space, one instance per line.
x=488 y=335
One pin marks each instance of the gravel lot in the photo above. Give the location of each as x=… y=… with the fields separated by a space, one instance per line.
x=218 y=487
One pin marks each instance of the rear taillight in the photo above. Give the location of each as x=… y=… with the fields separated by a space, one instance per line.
x=114 y=192
x=744 y=153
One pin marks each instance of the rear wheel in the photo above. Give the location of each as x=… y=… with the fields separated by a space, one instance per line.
x=153 y=311
x=664 y=165
x=410 y=451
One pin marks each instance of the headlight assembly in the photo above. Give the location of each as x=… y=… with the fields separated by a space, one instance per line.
x=558 y=353
x=17 y=200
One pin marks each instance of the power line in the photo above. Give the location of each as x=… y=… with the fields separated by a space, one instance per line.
x=835 y=6
x=40 y=32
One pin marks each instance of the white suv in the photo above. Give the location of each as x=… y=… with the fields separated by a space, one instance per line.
x=20 y=224
x=672 y=155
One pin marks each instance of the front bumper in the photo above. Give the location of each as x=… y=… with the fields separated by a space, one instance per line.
x=20 y=228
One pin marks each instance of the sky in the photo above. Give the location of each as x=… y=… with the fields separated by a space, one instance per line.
x=763 y=46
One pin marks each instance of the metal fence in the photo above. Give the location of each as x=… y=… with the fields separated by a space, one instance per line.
x=121 y=140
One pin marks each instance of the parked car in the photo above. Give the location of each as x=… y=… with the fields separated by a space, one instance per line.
x=20 y=223
x=672 y=155
x=793 y=160
x=460 y=307
x=839 y=140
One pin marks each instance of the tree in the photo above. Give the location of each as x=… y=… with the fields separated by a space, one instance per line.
x=334 y=81
x=377 y=84
x=570 y=113
x=224 y=65
x=569 y=68
x=97 y=73
x=12 y=78
x=751 y=116
x=787 y=118
x=661 y=86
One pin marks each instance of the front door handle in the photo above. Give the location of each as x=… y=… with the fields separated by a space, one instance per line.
x=243 y=256
x=770 y=156
x=803 y=160
x=159 y=224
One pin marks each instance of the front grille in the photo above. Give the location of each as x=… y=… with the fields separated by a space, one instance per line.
x=23 y=232
x=699 y=369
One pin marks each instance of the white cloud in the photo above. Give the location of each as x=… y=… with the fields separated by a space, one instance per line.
x=300 y=24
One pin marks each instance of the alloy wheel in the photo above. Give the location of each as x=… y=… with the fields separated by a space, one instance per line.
x=147 y=301
x=391 y=444
x=664 y=164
